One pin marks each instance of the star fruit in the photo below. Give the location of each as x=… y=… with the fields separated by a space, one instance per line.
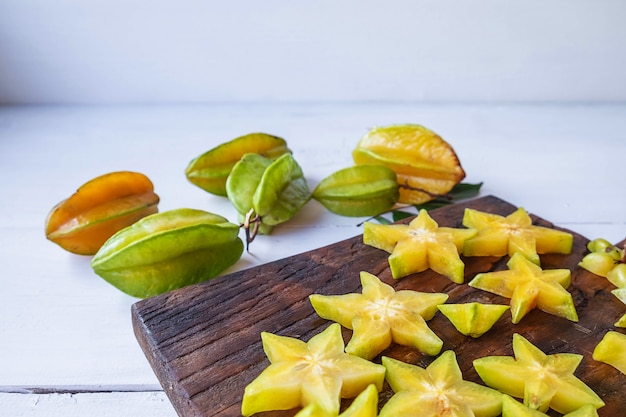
x=168 y=250
x=437 y=391
x=318 y=372
x=473 y=319
x=611 y=350
x=425 y=165
x=543 y=381
x=359 y=190
x=499 y=235
x=420 y=245
x=380 y=315
x=210 y=170
x=98 y=209
x=513 y=408
x=606 y=260
x=529 y=287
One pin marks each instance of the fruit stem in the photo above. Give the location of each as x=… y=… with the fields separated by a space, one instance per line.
x=255 y=220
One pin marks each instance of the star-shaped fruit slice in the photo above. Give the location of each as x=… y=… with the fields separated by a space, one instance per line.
x=499 y=235
x=317 y=372
x=543 y=381
x=364 y=405
x=473 y=319
x=528 y=286
x=380 y=315
x=437 y=391
x=420 y=245
x=611 y=350
x=513 y=408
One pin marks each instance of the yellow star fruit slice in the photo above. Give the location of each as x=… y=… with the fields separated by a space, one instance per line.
x=420 y=245
x=364 y=405
x=513 y=408
x=499 y=235
x=529 y=287
x=318 y=372
x=380 y=315
x=611 y=350
x=425 y=165
x=473 y=319
x=437 y=391
x=543 y=381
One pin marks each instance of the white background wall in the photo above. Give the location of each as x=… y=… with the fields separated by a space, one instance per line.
x=187 y=51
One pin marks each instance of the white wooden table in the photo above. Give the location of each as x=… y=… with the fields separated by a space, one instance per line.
x=66 y=342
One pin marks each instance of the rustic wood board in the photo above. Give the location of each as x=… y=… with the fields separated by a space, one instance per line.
x=204 y=345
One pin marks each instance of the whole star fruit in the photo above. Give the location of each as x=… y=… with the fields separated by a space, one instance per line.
x=364 y=405
x=529 y=287
x=269 y=191
x=380 y=315
x=505 y=235
x=357 y=191
x=99 y=208
x=168 y=250
x=426 y=165
x=610 y=350
x=436 y=391
x=473 y=319
x=543 y=381
x=317 y=372
x=210 y=170
x=419 y=246
x=513 y=408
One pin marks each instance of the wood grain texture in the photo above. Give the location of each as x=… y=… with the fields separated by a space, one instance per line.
x=204 y=345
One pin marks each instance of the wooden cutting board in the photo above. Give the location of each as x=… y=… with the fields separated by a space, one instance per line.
x=204 y=344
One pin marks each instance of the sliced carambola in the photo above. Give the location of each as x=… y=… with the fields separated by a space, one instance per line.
x=437 y=391
x=473 y=319
x=426 y=166
x=380 y=315
x=360 y=190
x=98 y=209
x=604 y=259
x=543 y=381
x=499 y=235
x=317 y=372
x=420 y=245
x=612 y=350
x=210 y=170
x=528 y=286
x=168 y=250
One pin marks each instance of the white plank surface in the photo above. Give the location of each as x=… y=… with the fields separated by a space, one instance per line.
x=109 y=404
x=161 y=51
x=67 y=341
